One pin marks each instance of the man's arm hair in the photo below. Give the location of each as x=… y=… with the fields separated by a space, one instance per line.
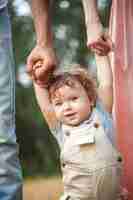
x=42 y=22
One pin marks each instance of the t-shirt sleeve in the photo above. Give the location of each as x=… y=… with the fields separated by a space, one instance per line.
x=107 y=122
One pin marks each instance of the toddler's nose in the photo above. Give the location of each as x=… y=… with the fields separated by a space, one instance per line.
x=66 y=106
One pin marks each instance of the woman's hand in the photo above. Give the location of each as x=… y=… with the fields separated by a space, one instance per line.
x=102 y=46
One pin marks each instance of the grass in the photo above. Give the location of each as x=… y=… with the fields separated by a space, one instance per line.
x=43 y=188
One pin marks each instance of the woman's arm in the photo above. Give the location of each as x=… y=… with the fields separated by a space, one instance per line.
x=100 y=44
x=94 y=28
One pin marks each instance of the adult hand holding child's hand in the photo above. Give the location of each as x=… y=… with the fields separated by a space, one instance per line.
x=41 y=62
x=37 y=70
x=102 y=46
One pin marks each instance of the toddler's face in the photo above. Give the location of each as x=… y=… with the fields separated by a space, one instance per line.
x=71 y=104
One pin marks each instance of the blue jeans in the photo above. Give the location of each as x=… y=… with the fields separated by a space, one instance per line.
x=10 y=170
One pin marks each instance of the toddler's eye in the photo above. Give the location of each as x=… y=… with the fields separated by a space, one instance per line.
x=58 y=103
x=74 y=98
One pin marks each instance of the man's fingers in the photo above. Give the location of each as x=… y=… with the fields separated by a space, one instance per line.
x=41 y=72
x=32 y=59
x=40 y=63
x=30 y=64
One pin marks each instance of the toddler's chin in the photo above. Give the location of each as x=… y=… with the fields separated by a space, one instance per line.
x=76 y=122
x=73 y=122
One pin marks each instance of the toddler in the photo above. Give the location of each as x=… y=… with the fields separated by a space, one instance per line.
x=79 y=116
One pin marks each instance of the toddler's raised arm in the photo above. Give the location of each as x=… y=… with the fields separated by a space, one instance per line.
x=101 y=45
x=42 y=96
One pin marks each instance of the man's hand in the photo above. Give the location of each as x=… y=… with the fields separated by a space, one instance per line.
x=102 y=46
x=48 y=59
x=36 y=70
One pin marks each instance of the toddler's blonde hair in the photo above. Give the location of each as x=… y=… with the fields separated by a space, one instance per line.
x=68 y=77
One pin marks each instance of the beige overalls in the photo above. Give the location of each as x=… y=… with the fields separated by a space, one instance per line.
x=91 y=166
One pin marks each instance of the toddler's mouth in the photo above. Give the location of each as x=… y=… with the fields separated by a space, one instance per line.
x=69 y=114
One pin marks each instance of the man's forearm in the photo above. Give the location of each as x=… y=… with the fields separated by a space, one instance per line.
x=94 y=27
x=41 y=17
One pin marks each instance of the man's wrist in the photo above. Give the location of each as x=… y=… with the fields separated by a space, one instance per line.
x=43 y=44
x=45 y=47
x=45 y=40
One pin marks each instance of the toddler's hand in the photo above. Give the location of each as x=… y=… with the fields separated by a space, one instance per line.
x=102 y=46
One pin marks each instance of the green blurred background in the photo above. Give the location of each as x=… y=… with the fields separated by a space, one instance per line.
x=39 y=152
